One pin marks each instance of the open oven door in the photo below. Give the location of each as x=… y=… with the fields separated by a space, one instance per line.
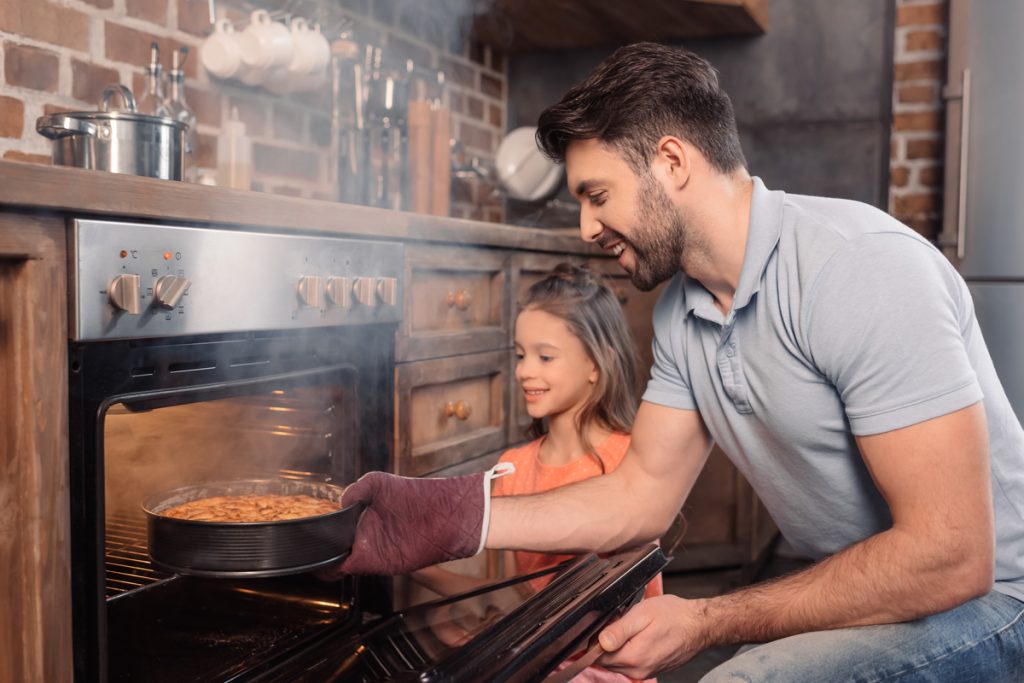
x=508 y=631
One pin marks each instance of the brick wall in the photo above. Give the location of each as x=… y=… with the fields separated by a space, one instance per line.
x=57 y=55
x=918 y=121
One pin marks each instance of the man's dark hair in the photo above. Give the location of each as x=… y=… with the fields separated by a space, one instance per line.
x=639 y=94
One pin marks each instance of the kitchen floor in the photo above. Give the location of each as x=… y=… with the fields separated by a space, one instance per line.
x=711 y=583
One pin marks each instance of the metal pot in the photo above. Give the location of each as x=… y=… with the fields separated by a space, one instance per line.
x=249 y=549
x=119 y=141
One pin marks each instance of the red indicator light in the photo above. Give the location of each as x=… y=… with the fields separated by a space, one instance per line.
x=124 y=254
x=167 y=256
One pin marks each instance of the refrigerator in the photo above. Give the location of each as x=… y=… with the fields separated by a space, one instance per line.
x=983 y=209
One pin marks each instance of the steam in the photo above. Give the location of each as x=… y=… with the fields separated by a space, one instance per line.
x=286 y=433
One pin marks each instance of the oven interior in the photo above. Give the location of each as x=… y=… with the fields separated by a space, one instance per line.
x=154 y=415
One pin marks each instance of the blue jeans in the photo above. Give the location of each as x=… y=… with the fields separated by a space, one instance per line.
x=980 y=641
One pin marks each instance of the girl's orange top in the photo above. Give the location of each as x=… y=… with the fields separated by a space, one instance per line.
x=533 y=476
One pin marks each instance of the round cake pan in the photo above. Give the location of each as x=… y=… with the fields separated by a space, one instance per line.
x=249 y=549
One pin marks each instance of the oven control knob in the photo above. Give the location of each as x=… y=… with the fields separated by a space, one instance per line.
x=387 y=290
x=124 y=293
x=363 y=287
x=169 y=289
x=339 y=291
x=310 y=290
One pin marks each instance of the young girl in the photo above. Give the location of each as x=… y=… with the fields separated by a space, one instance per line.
x=578 y=371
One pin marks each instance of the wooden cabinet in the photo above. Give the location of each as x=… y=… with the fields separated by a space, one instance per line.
x=456 y=302
x=449 y=410
x=35 y=553
x=726 y=523
x=452 y=377
x=523 y=25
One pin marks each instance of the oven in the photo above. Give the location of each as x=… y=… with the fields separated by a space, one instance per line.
x=203 y=355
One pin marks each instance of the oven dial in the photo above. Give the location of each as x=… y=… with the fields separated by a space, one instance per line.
x=310 y=290
x=124 y=293
x=363 y=288
x=339 y=291
x=387 y=290
x=169 y=289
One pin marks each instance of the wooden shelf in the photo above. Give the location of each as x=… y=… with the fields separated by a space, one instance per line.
x=524 y=25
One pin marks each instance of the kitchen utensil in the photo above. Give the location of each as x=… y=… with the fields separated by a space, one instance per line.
x=441 y=159
x=249 y=549
x=419 y=156
x=523 y=169
x=119 y=141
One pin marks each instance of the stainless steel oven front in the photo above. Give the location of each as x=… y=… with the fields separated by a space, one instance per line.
x=202 y=354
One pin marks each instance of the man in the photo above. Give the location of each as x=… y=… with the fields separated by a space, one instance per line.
x=834 y=356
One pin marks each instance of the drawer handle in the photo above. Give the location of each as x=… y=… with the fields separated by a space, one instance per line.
x=459 y=299
x=459 y=409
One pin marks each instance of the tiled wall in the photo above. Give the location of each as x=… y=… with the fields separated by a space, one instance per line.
x=59 y=54
x=917 y=126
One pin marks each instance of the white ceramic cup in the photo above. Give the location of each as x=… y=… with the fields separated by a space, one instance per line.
x=220 y=52
x=265 y=43
x=323 y=50
x=302 y=47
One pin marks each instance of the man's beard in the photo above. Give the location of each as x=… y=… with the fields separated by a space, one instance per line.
x=659 y=239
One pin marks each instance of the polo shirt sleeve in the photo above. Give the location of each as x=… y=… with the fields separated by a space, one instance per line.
x=886 y=323
x=669 y=384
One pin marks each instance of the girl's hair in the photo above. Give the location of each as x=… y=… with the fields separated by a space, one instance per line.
x=594 y=316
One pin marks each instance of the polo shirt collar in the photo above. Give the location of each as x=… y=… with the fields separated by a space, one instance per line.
x=762 y=237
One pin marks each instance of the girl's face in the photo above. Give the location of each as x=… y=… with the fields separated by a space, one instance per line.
x=553 y=368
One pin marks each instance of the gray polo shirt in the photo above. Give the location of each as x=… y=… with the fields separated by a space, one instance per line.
x=844 y=322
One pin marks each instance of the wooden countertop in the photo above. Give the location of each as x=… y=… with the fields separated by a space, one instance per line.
x=73 y=191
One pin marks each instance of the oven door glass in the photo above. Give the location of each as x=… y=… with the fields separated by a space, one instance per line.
x=510 y=631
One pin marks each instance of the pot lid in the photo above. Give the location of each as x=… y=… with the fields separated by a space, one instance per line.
x=54 y=119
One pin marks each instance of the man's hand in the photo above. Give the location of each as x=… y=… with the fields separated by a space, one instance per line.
x=411 y=523
x=658 y=634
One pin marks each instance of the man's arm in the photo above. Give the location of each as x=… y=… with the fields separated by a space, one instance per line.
x=635 y=503
x=938 y=554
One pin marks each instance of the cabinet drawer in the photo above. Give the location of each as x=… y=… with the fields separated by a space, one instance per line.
x=456 y=302
x=450 y=410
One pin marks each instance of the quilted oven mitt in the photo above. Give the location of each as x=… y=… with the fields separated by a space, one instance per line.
x=410 y=523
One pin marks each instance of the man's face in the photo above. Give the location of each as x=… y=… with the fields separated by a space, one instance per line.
x=628 y=215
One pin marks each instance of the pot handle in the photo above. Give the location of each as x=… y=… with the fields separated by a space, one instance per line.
x=62 y=126
x=118 y=89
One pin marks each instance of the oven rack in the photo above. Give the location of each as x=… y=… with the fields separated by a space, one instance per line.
x=128 y=567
